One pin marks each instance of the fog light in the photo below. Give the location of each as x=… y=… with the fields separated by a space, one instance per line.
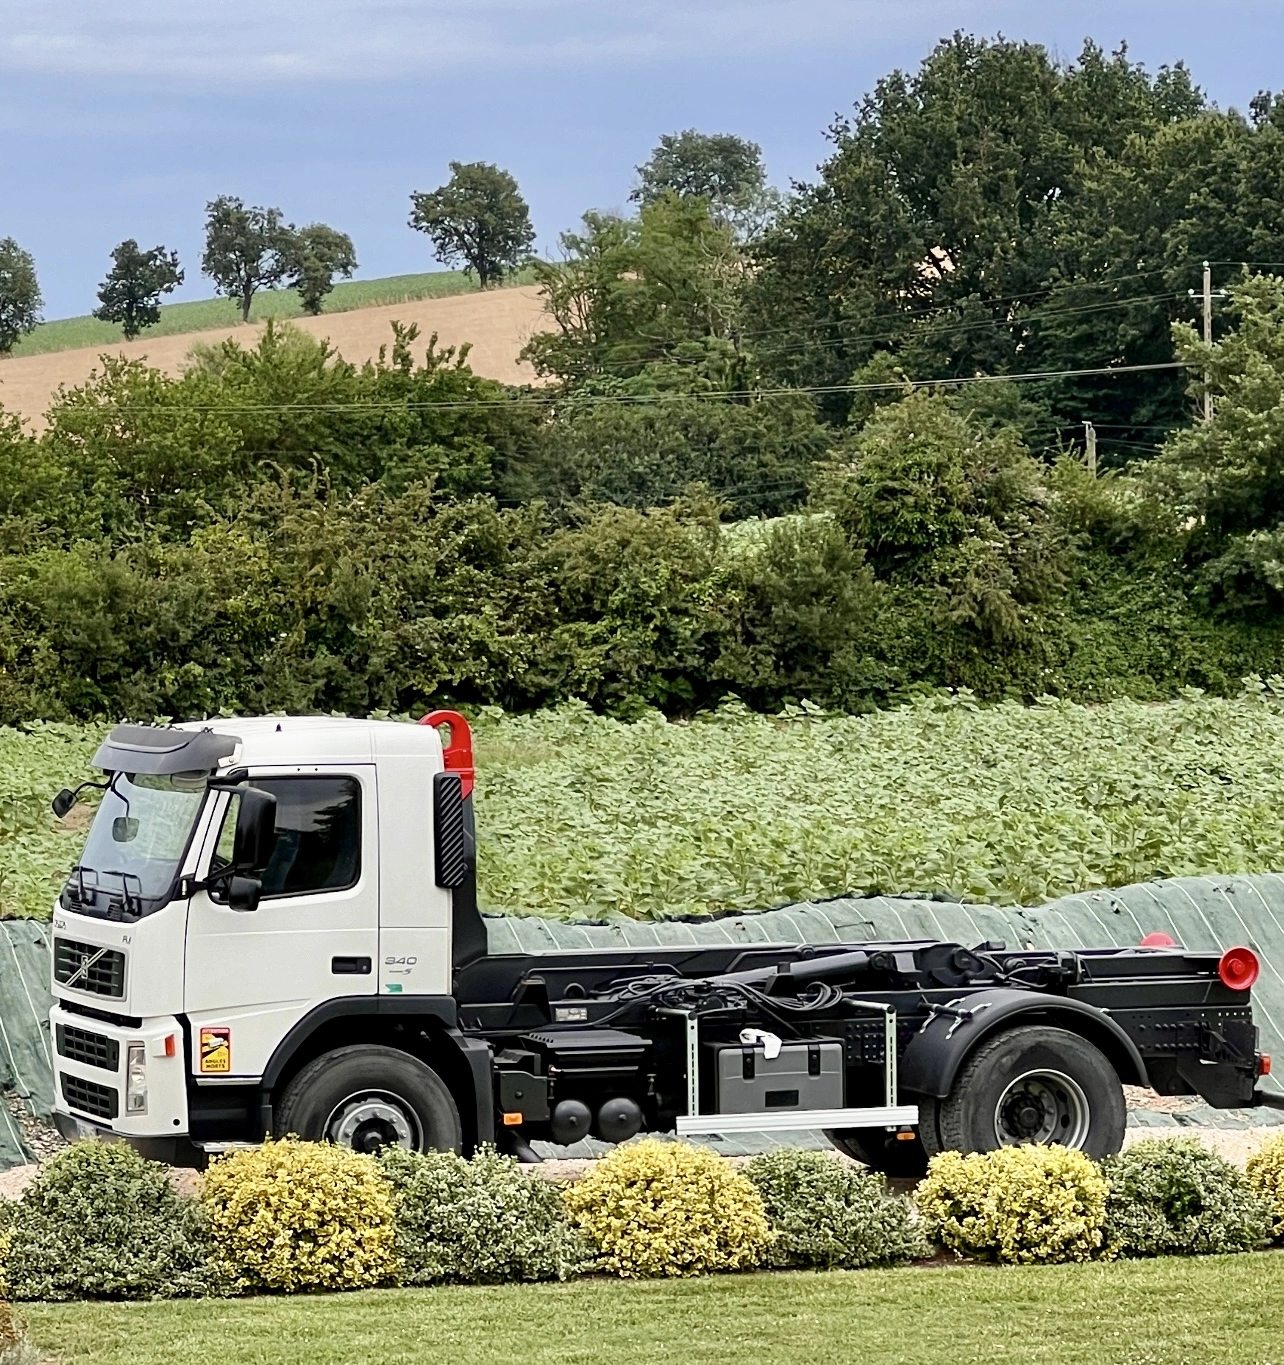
x=136 y=1079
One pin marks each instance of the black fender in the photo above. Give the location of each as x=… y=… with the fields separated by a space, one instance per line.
x=474 y=1053
x=937 y=1050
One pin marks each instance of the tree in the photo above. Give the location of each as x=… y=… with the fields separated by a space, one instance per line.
x=478 y=217
x=130 y=295
x=317 y=254
x=999 y=211
x=649 y=302
x=20 y=299
x=721 y=168
x=246 y=249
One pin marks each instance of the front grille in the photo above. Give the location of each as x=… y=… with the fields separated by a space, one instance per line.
x=86 y=967
x=90 y=1098
x=91 y=1048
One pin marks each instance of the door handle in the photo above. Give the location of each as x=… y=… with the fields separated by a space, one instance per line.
x=350 y=966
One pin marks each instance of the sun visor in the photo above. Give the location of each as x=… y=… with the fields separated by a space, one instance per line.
x=154 y=749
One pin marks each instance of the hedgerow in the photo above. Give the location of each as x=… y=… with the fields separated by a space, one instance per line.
x=656 y=1208
x=827 y=1213
x=1023 y=1205
x=101 y=1222
x=480 y=1221
x=1175 y=1197
x=296 y=1215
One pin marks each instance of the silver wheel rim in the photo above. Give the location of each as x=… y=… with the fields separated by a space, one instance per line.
x=1042 y=1106
x=371 y=1120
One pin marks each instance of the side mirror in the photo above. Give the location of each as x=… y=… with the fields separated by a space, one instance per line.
x=63 y=802
x=255 y=835
x=243 y=893
x=124 y=828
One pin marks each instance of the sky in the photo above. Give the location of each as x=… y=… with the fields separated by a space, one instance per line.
x=122 y=118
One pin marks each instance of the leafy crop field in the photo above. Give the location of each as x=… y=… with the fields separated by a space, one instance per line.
x=177 y=319
x=580 y=815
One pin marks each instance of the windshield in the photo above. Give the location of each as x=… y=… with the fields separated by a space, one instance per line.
x=136 y=841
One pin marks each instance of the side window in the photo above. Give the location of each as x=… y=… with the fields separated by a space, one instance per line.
x=318 y=834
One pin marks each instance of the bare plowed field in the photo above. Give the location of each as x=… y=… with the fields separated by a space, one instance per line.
x=497 y=323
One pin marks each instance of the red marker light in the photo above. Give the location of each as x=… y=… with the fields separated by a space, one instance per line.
x=1239 y=968
x=1158 y=940
x=1263 y=1063
x=170 y=1045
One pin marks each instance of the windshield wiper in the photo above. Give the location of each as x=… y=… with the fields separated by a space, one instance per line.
x=133 y=901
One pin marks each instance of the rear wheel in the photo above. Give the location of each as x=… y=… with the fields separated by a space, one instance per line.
x=1034 y=1084
x=893 y=1153
x=368 y=1097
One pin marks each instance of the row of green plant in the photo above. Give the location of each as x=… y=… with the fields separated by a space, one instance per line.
x=580 y=815
x=101 y=1222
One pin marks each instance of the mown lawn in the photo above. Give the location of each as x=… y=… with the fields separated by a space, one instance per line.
x=1211 y=1310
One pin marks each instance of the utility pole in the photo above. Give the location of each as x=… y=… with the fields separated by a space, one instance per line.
x=1208 y=297
x=1090 y=445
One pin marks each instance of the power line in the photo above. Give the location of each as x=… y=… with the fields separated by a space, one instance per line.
x=643 y=400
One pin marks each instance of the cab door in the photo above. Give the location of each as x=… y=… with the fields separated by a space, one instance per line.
x=250 y=976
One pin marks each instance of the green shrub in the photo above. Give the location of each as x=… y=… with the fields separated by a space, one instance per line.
x=827 y=1213
x=301 y=1215
x=1018 y=1204
x=1266 y=1175
x=1174 y=1197
x=100 y=1222
x=668 y=1208
x=480 y=1221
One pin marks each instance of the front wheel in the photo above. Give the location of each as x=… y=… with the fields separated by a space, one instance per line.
x=1034 y=1084
x=367 y=1098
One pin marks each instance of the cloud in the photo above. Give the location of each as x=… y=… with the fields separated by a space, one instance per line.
x=239 y=42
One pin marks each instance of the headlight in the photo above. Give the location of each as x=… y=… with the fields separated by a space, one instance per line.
x=136 y=1079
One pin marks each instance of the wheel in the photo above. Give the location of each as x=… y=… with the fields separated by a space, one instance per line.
x=1034 y=1084
x=366 y=1098
x=881 y=1151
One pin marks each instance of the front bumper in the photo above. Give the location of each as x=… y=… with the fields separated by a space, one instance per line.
x=173 y=1151
x=90 y=1059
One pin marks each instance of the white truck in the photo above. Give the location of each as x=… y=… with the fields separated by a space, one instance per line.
x=273 y=929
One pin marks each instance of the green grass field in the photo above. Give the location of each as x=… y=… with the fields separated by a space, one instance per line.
x=177 y=318
x=1209 y=1311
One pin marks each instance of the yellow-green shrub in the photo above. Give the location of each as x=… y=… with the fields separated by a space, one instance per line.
x=301 y=1215
x=668 y=1208
x=1266 y=1175
x=1017 y=1204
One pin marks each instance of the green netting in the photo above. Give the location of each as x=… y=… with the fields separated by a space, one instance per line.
x=1211 y=913
x=26 y=1061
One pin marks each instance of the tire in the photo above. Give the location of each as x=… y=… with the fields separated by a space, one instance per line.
x=881 y=1151
x=368 y=1097
x=1034 y=1084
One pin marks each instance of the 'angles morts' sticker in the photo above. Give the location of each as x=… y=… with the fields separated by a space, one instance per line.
x=216 y=1049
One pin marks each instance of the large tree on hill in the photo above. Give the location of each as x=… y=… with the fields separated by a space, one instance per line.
x=131 y=293
x=478 y=219
x=246 y=249
x=20 y=299
x=317 y=254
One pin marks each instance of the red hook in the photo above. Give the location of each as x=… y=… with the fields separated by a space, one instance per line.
x=458 y=754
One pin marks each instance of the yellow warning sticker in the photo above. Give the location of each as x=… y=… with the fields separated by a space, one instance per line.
x=216 y=1049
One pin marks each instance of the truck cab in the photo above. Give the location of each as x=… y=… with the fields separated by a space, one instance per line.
x=176 y=983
